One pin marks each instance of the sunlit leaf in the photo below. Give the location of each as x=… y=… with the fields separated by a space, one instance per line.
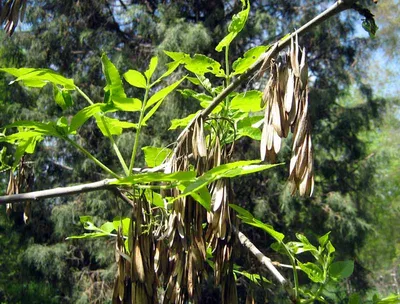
x=43 y=128
x=83 y=115
x=247 y=102
x=177 y=56
x=114 y=83
x=182 y=122
x=127 y=104
x=152 y=177
x=122 y=221
x=92 y=235
x=245 y=127
x=201 y=64
x=236 y=26
x=393 y=298
x=224 y=171
x=62 y=97
x=152 y=67
x=242 y=212
x=107 y=227
x=25 y=146
x=39 y=77
x=136 y=79
x=313 y=272
x=112 y=126
x=249 y=219
x=323 y=239
x=203 y=196
x=196 y=95
x=154 y=156
x=161 y=94
x=154 y=198
x=255 y=278
x=249 y=58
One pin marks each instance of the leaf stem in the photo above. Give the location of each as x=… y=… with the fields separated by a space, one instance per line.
x=114 y=145
x=295 y=275
x=137 y=136
x=116 y=149
x=94 y=159
x=227 y=72
x=87 y=98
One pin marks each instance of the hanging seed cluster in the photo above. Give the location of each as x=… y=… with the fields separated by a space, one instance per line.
x=11 y=13
x=136 y=277
x=286 y=108
x=21 y=182
x=185 y=235
x=174 y=256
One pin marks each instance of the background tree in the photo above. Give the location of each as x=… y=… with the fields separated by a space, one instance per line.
x=128 y=33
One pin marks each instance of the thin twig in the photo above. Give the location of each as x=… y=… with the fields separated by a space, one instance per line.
x=260 y=256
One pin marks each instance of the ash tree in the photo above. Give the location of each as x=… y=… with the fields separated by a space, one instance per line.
x=184 y=220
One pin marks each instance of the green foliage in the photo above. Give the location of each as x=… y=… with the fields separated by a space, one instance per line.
x=338 y=204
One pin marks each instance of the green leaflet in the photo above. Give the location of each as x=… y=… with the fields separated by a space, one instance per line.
x=313 y=272
x=30 y=133
x=154 y=198
x=23 y=135
x=150 y=113
x=62 y=97
x=40 y=127
x=127 y=104
x=245 y=127
x=236 y=26
x=255 y=278
x=154 y=156
x=151 y=177
x=182 y=122
x=249 y=58
x=136 y=79
x=124 y=222
x=177 y=56
x=393 y=299
x=323 y=239
x=249 y=219
x=193 y=94
x=198 y=64
x=4 y=159
x=25 y=146
x=104 y=230
x=152 y=67
x=201 y=64
x=161 y=94
x=83 y=115
x=114 y=83
x=39 y=77
x=225 y=171
x=112 y=126
x=341 y=270
x=247 y=102
x=201 y=195
x=171 y=67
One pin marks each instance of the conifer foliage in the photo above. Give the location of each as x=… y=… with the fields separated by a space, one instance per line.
x=183 y=221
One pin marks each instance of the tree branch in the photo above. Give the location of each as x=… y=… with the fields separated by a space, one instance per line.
x=57 y=192
x=336 y=8
x=260 y=256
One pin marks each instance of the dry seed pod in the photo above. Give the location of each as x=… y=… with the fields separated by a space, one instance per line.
x=286 y=100
x=11 y=13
